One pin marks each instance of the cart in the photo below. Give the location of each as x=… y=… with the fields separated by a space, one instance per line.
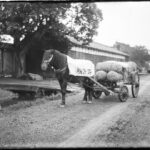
x=120 y=88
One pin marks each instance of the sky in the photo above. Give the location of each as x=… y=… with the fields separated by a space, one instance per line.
x=125 y=22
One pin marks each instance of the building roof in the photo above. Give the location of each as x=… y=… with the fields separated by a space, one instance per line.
x=99 y=46
x=106 y=48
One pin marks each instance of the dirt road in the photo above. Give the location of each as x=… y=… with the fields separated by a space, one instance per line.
x=105 y=122
x=126 y=125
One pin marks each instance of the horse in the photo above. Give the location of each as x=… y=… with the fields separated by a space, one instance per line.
x=58 y=62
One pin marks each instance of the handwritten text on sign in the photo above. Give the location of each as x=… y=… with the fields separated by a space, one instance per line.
x=83 y=71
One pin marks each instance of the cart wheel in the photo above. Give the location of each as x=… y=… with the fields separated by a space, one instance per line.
x=96 y=94
x=135 y=86
x=123 y=94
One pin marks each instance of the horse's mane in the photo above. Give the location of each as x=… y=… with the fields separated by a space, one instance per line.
x=59 y=53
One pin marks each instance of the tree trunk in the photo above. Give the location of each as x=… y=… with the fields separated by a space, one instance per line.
x=21 y=57
x=30 y=42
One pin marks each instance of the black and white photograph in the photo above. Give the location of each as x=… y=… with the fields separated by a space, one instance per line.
x=74 y=74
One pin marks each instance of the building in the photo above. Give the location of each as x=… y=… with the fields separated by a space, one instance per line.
x=96 y=52
x=8 y=61
x=126 y=48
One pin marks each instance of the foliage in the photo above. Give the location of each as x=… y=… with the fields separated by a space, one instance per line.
x=48 y=24
x=43 y=25
x=140 y=55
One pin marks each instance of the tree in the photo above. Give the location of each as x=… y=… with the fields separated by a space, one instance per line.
x=140 y=55
x=47 y=24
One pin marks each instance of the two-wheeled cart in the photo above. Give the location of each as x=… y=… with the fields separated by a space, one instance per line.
x=121 y=88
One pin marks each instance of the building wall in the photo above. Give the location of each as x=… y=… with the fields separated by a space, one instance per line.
x=0 y=61
x=94 y=55
x=123 y=47
x=9 y=63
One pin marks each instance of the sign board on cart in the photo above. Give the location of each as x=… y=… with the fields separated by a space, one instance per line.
x=80 y=67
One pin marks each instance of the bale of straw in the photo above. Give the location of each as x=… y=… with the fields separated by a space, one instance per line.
x=109 y=66
x=114 y=76
x=132 y=66
x=116 y=66
x=100 y=75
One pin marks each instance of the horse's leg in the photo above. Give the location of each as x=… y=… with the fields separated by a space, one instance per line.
x=89 y=91
x=89 y=96
x=85 y=89
x=63 y=85
x=85 y=96
x=64 y=92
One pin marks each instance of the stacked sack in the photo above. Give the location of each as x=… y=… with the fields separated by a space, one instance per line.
x=113 y=70
x=132 y=66
x=100 y=75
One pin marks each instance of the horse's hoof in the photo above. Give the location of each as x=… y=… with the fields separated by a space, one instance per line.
x=84 y=102
x=89 y=102
x=62 y=105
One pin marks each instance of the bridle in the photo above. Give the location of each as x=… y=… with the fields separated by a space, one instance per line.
x=56 y=70
x=49 y=60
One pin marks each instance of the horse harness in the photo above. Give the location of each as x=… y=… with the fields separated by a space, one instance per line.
x=63 y=70
x=60 y=70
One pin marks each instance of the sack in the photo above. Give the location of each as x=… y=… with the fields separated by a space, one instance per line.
x=100 y=75
x=109 y=66
x=114 y=76
x=116 y=66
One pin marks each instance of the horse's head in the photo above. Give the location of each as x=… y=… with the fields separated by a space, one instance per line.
x=47 y=59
